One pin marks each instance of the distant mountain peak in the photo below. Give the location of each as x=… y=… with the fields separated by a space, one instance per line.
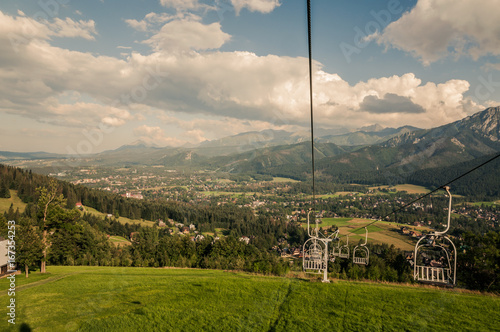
x=372 y=129
x=139 y=144
x=486 y=122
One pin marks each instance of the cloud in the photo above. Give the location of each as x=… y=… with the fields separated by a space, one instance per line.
x=435 y=29
x=263 y=6
x=152 y=20
x=70 y=28
x=138 y=25
x=156 y=135
x=228 y=91
x=219 y=126
x=181 y=5
x=21 y=29
x=187 y=34
x=390 y=103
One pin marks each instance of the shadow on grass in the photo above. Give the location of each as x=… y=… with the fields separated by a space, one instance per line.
x=24 y=328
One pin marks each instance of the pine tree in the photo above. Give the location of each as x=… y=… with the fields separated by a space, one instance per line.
x=29 y=245
x=4 y=191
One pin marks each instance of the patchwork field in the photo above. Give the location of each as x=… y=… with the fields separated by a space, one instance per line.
x=148 y=299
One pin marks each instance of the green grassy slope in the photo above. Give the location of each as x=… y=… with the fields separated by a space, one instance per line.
x=122 y=220
x=14 y=199
x=147 y=299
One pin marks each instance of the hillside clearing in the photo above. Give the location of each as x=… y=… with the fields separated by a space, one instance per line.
x=14 y=199
x=148 y=299
x=122 y=220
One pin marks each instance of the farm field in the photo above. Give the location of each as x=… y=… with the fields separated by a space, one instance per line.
x=380 y=232
x=148 y=299
x=14 y=199
x=280 y=179
x=409 y=188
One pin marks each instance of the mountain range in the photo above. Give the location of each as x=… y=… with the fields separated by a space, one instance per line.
x=376 y=153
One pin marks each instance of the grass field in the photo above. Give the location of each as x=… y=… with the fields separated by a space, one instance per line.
x=409 y=188
x=147 y=299
x=485 y=203
x=14 y=199
x=122 y=220
x=280 y=179
x=119 y=240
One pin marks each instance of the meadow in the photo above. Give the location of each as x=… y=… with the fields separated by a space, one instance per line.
x=148 y=299
x=119 y=240
x=122 y=220
x=14 y=199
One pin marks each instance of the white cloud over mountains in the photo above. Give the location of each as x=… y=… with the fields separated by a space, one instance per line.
x=240 y=90
x=434 y=29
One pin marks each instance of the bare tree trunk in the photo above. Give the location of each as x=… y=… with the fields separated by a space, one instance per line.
x=44 y=259
x=26 y=269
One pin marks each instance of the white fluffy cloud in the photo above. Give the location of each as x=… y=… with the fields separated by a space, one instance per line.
x=188 y=34
x=434 y=29
x=233 y=90
x=151 y=20
x=263 y=6
x=22 y=29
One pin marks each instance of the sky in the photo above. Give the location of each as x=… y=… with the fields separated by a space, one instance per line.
x=80 y=77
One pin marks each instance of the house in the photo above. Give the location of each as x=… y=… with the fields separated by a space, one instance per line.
x=4 y=260
x=415 y=234
x=79 y=206
x=405 y=230
x=245 y=239
x=192 y=227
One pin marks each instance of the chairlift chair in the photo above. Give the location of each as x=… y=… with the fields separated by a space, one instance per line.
x=361 y=259
x=428 y=270
x=313 y=258
x=315 y=251
x=344 y=251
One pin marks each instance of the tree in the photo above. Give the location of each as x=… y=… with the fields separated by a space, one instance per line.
x=3 y=226
x=51 y=213
x=4 y=191
x=29 y=245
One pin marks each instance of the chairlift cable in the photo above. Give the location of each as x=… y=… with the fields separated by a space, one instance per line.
x=428 y=194
x=311 y=102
